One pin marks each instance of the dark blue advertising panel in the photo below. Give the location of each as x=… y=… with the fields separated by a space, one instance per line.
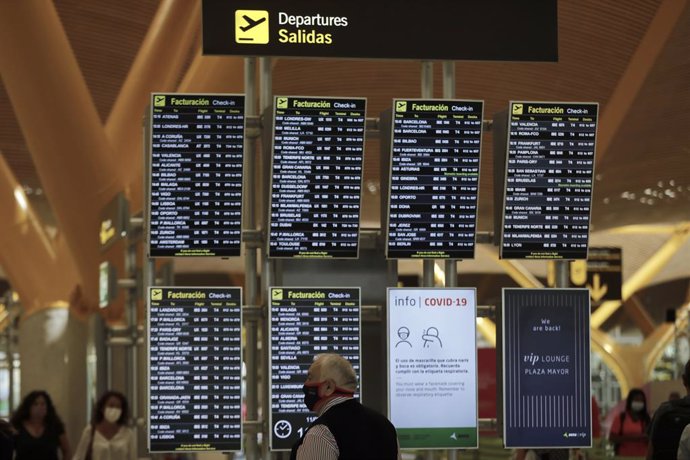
x=546 y=377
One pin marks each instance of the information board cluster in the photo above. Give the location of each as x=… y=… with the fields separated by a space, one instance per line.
x=316 y=177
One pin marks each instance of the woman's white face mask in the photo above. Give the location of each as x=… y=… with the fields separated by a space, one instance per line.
x=112 y=414
x=637 y=406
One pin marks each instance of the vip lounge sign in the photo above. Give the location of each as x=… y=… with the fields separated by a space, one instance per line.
x=546 y=376
x=406 y=29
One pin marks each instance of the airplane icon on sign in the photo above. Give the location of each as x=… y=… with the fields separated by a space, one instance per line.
x=251 y=27
x=251 y=23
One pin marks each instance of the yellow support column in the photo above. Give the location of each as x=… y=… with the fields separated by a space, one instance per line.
x=61 y=126
x=41 y=271
x=156 y=68
x=644 y=274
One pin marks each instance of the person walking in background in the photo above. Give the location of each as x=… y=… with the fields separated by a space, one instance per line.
x=629 y=429
x=668 y=424
x=40 y=432
x=6 y=440
x=107 y=437
x=684 y=444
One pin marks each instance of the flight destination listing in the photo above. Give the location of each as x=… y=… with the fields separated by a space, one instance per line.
x=316 y=177
x=306 y=322
x=195 y=369
x=549 y=173
x=434 y=183
x=196 y=174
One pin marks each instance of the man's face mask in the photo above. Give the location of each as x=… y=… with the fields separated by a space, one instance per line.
x=312 y=397
x=311 y=394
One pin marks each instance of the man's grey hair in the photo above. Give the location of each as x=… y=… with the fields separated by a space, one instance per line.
x=335 y=367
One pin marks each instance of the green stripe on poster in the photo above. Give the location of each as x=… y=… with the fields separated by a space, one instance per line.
x=420 y=438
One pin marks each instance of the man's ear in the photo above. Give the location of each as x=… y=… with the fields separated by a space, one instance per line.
x=329 y=387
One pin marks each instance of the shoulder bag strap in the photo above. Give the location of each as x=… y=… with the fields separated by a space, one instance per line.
x=89 y=450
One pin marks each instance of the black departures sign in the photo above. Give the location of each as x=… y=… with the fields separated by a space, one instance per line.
x=549 y=177
x=432 y=210
x=195 y=369
x=316 y=179
x=406 y=29
x=197 y=142
x=306 y=322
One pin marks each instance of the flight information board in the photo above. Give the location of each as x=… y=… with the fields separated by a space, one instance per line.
x=316 y=180
x=195 y=369
x=306 y=322
x=434 y=179
x=196 y=174
x=548 y=185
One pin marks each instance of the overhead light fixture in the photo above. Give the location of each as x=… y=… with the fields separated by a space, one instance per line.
x=439 y=275
x=21 y=198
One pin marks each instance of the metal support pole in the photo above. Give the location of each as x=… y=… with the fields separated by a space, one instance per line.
x=448 y=79
x=428 y=273
x=562 y=273
x=148 y=279
x=267 y=266
x=451 y=266
x=10 y=356
x=427 y=78
x=108 y=365
x=562 y=268
x=265 y=83
x=250 y=260
x=451 y=270
x=131 y=318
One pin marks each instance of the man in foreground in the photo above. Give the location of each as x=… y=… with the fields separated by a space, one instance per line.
x=344 y=429
x=668 y=423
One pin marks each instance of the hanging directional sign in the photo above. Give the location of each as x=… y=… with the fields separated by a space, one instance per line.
x=601 y=273
x=605 y=274
x=406 y=29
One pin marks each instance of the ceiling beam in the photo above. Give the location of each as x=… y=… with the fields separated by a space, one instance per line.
x=156 y=68
x=39 y=268
x=644 y=274
x=61 y=126
x=523 y=277
x=663 y=335
x=487 y=329
x=652 y=229
x=634 y=308
x=520 y=275
x=639 y=67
